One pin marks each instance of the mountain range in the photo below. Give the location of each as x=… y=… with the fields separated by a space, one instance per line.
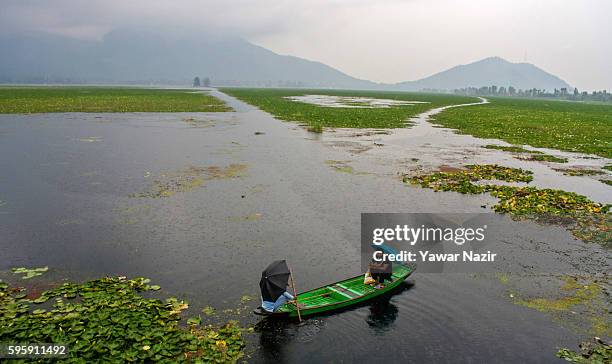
x=133 y=56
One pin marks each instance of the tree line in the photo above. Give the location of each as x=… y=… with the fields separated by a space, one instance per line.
x=562 y=93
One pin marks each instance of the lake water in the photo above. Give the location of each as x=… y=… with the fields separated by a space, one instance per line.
x=68 y=184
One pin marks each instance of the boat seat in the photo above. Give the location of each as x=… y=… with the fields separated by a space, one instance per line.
x=348 y=289
x=341 y=292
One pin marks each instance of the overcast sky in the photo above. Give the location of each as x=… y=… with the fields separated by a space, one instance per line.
x=379 y=40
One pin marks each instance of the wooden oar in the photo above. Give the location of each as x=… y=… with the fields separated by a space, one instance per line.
x=297 y=305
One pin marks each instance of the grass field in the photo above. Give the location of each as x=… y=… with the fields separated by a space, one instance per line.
x=570 y=126
x=272 y=101
x=24 y=100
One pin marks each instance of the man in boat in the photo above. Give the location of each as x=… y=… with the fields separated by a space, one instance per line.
x=380 y=271
x=281 y=300
x=274 y=282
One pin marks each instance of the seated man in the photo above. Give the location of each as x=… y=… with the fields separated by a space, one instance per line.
x=273 y=306
x=381 y=271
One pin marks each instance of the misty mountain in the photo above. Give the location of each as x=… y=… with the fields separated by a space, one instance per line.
x=487 y=72
x=133 y=56
x=127 y=56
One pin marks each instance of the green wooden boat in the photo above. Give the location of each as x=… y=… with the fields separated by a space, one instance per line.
x=338 y=295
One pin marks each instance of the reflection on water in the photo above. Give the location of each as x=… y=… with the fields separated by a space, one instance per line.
x=383 y=312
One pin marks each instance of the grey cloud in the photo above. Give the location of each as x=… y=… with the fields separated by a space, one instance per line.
x=386 y=41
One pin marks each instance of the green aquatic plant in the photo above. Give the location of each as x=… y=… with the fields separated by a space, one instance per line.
x=274 y=101
x=570 y=126
x=579 y=171
x=462 y=180
x=541 y=158
x=577 y=294
x=580 y=303
x=171 y=183
x=532 y=200
x=512 y=149
x=587 y=220
x=596 y=351
x=317 y=128
x=208 y=311
x=344 y=167
x=30 y=272
x=110 y=318
x=608 y=167
x=18 y=100
x=526 y=154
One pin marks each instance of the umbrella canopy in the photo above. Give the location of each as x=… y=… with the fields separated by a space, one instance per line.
x=274 y=280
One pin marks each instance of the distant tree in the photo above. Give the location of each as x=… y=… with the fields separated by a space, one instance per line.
x=511 y=90
x=196 y=82
x=576 y=92
x=206 y=82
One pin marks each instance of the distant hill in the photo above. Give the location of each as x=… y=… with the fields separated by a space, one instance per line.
x=131 y=56
x=128 y=56
x=487 y=72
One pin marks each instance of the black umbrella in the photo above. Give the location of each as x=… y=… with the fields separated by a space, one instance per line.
x=274 y=280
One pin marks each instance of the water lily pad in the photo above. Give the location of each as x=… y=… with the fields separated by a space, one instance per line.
x=208 y=311
x=112 y=319
x=587 y=220
x=196 y=320
x=30 y=272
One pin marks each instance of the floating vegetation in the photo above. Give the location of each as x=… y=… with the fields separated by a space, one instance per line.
x=532 y=200
x=596 y=351
x=109 y=318
x=462 y=180
x=584 y=296
x=576 y=294
x=608 y=167
x=340 y=166
x=317 y=128
x=30 y=272
x=587 y=220
x=2 y=203
x=512 y=149
x=606 y=181
x=541 y=158
x=275 y=102
x=208 y=311
x=104 y=99
x=526 y=154
x=344 y=167
x=183 y=181
x=570 y=126
x=579 y=171
x=231 y=171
